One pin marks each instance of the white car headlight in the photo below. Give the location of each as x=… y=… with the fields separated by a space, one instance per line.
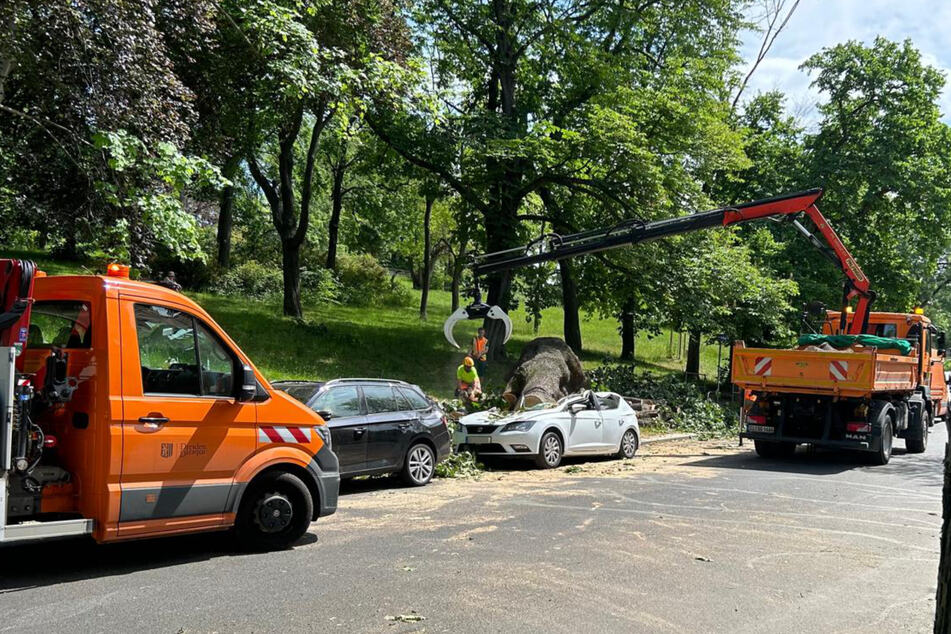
x=524 y=425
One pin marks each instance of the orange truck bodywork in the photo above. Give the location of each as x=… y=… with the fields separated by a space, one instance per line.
x=859 y=376
x=135 y=479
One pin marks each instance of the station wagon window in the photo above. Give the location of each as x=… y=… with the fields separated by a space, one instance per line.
x=60 y=324
x=380 y=398
x=338 y=401
x=180 y=355
x=415 y=400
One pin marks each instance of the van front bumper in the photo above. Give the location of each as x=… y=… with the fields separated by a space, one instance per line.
x=326 y=472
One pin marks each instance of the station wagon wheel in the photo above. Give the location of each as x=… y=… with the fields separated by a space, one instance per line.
x=275 y=512
x=628 y=444
x=550 y=450
x=419 y=466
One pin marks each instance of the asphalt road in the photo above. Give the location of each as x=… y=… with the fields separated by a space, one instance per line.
x=682 y=540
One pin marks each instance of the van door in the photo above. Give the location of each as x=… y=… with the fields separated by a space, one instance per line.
x=184 y=434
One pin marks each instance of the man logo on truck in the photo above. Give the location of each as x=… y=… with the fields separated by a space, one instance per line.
x=167 y=449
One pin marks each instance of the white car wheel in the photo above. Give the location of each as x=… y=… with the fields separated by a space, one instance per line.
x=550 y=451
x=628 y=444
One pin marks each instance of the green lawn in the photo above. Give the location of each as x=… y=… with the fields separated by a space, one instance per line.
x=337 y=341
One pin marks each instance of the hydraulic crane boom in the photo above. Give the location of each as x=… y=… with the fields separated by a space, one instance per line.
x=552 y=247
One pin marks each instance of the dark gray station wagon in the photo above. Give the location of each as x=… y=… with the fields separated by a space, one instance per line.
x=378 y=426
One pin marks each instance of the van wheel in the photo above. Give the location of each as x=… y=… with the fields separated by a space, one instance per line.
x=550 y=450
x=773 y=449
x=419 y=465
x=275 y=512
x=916 y=437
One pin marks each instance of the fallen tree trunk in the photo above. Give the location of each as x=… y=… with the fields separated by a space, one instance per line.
x=546 y=371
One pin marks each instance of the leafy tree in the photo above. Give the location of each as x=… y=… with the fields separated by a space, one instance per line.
x=884 y=157
x=303 y=59
x=69 y=72
x=531 y=95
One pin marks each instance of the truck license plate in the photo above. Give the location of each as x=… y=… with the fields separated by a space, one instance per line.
x=760 y=429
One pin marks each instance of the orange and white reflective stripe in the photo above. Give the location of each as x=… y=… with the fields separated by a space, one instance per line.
x=274 y=434
x=839 y=370
x=763 y=366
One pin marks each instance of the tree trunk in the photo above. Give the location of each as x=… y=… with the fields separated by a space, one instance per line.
x=290 y=252
x=942 y=622
x=693 y=355
x=456 y=282
x=546 y=371
x=427 y=256
x=569 y=300
x=336 y=207
x=225 y=224
x=226 y=215
x=628 y=333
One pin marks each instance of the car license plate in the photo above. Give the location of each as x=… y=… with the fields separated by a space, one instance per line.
x=760 y=429
x=476 y=440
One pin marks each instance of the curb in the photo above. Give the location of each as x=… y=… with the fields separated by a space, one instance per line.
x=666 y=438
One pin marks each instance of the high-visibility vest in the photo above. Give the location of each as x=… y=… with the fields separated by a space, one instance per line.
x=481 y=343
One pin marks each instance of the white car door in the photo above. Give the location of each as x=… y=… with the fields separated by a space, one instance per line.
x=616 y=418
x=585 y=431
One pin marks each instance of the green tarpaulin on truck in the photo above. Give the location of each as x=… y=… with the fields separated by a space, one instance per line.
x=845 y=341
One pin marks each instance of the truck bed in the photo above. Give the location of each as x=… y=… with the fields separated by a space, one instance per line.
x=816 y=372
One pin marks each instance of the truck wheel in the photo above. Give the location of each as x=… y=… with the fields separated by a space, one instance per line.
x=275 y=512
x=550 y=451
x=419 y=465
x=773 y=449
x=916 y=436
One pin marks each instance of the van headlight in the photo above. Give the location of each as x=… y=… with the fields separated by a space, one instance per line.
x=324 y=432
x=524 y=425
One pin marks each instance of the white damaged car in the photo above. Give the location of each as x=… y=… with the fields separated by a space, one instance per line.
x=589 y=423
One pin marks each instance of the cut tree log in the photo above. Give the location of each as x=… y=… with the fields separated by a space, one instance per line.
x=547 y=371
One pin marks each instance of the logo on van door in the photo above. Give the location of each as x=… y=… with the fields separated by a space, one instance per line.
x=167 y=449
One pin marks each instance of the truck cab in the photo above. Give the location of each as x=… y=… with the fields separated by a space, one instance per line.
x=130 y=413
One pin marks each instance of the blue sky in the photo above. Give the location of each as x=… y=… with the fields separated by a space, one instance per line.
x=817 y=24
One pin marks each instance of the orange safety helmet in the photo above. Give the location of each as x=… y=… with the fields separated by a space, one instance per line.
x=468 y=362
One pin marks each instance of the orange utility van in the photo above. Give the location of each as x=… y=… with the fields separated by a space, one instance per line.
x=127 y=412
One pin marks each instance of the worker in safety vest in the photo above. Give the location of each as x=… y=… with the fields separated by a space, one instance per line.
x=479 y=350
x=468 y=385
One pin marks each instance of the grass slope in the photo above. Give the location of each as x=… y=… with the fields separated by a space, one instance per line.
x=383 y=341
x=334 y=341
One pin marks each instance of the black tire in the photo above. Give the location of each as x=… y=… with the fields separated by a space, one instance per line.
x=774 y=449
x=419 y=465
x=916 y=436
x=275 y=512
x=628 y=446
x=884 y=452
x=550 y=451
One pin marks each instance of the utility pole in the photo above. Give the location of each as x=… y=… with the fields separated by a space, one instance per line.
x=942 y=622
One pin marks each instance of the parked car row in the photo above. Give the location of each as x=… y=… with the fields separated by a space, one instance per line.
x=380 y=426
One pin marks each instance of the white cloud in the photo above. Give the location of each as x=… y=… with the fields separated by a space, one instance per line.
x=817 y=24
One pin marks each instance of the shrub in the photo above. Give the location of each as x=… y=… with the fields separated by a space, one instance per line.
x=254 y=280
x=682 y=405
x=363 y=280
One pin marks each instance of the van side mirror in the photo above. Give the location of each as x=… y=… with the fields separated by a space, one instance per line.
x=249 y=385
